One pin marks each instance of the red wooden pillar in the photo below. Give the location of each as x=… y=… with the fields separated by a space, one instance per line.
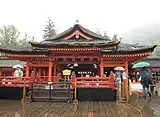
x=34 y=70
x=12 y=73
x=27 y=69
x=101 y=68
x=35 y=74
x=44 y=72
x=126 y=81
x=55 y=69
x=0 y=74
x=58 y=68
x=50 y=70
x=39 y=70
x=27 y=75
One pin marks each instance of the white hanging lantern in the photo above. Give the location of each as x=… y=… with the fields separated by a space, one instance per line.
x=75 y=64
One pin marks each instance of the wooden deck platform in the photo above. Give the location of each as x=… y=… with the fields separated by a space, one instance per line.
x=137 y=108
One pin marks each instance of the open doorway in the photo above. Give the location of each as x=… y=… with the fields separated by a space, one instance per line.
x=107 y=71
x=86 y=69
x=81 y=70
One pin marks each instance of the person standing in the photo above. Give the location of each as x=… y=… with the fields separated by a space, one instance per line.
x=18 y=72
x=146 y=80
x=124 y=76
x=120 y=76
x=118 y=83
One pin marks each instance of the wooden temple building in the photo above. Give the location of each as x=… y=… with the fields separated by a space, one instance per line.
x=90 y=54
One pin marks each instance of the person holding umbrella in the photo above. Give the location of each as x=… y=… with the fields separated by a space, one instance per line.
x=146 y=80
x=145 y=77
x=120 y=76
x=18 y=72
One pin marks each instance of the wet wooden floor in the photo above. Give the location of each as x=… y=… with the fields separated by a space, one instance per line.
x=137 y=108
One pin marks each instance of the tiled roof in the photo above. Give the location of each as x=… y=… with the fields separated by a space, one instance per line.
x=59 y=41
x=25 y=51
x=128 y=48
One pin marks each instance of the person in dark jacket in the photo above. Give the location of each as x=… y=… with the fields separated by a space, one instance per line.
x=146 y=80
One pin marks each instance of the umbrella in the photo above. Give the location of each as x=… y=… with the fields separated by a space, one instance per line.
x=18 y=66
x=119 y=68
x=141 y=64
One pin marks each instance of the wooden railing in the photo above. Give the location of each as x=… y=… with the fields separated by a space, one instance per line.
x=11 y=81
x=82 y=82
x=93 y=82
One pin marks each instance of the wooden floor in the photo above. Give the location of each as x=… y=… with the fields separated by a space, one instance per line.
x=137 y=108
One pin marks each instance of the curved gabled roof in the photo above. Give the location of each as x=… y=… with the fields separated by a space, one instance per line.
x=76 y=36
x=80 y=28
x=121 y=50
x=78 y=44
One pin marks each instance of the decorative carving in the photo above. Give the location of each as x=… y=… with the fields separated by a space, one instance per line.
x=77 y=34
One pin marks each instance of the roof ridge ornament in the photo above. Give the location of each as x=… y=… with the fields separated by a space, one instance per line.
x=77 y=22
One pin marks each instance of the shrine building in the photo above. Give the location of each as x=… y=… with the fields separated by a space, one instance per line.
x=78 y=49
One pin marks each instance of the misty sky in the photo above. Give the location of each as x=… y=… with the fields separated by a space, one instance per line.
x=114 y=16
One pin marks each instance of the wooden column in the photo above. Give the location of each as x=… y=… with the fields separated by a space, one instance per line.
x=126 y=81
x=12 y=73
x=39 y=70
x=44 y=72
x=50 y=70
x=55 y=70
x=101 y=67
x=24 y=84
x=0 y=74
x=58 y=68
x=34 y=70
x=27 y=69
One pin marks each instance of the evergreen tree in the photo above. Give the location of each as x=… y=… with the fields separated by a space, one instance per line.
x=49 y=29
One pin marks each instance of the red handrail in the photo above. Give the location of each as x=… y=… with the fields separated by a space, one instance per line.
x=93 y=82
x=11 y=81
x=82 y=82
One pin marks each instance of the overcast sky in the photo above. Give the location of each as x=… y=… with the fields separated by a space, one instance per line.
x=115 y=16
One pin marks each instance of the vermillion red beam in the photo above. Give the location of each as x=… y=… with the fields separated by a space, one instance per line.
x=79 y=62
x=76 y=57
